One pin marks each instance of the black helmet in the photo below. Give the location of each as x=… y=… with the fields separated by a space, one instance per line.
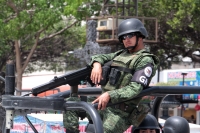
x=132 y=25
x=149 y=122
x=176 y=124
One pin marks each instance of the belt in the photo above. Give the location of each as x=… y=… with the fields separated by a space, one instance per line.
x=124 y=107
x=129 y=109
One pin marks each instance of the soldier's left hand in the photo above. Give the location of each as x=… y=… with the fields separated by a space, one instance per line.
x=102 y=101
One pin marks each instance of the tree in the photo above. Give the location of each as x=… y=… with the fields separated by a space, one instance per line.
x=35 y=30
x=52 y=54
x=27 y=25
x=178 y=30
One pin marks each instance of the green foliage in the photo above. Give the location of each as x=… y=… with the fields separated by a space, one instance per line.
x=82 y=8
x=178 y=26
x=3 y=48
x=23 y=20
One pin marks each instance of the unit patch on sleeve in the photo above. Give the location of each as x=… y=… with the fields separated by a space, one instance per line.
x=143 y=75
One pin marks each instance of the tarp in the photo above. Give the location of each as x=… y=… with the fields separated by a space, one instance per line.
x=53 y=123
x=20 y=125
x=46 y=123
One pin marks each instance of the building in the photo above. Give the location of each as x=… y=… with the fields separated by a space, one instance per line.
x=183 y=77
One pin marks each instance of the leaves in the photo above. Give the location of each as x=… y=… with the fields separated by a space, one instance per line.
x=34 y=31
x=22 y=20
x=178 y=26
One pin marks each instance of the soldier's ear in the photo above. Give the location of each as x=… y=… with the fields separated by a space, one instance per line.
x=140 y=39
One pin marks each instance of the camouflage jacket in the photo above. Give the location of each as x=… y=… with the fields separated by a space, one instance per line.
x=127 y=87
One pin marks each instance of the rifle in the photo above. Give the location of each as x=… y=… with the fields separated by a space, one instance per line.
x=72 y=78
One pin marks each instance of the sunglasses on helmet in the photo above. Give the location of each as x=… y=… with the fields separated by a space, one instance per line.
x=129 y=35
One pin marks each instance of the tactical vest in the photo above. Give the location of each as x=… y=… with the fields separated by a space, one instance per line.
x=130 y=61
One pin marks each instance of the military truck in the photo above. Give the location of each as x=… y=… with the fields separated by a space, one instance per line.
x=23 y=105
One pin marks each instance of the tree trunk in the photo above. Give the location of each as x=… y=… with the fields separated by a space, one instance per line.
x=19 y=82
x=18 y=67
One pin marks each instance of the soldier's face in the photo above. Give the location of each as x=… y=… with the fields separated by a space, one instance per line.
x=148 y=131
x=129 y=40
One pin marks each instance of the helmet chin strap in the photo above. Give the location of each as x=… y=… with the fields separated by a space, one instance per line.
x=133 y=47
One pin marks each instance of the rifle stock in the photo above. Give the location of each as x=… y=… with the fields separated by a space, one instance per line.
x=72 y=79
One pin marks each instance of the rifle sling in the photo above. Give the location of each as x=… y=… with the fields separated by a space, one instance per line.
x=127 y=70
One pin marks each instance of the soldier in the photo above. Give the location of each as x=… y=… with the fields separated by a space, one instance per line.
x=130 y=71
x=148 y=125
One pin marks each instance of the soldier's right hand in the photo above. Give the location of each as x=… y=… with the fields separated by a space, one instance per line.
x=96 y=74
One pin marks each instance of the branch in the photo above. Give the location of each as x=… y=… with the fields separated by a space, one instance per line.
x=9 y=18
x=17 y=56
x=59 y=32
x=103 y=7
x=11 y=4
x=37 y=41
x=31 y=53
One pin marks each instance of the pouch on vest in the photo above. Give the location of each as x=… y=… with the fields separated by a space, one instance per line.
x=138 y=114
x=105 y=75
x=114 y=76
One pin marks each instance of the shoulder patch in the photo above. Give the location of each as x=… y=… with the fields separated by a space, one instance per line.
x=148 y=71
x=143 y=75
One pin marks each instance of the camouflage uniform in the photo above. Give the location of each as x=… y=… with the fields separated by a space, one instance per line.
x=129 y=85
x=71 y=119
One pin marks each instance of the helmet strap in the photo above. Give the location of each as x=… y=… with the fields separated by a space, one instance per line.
x=136 y=43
